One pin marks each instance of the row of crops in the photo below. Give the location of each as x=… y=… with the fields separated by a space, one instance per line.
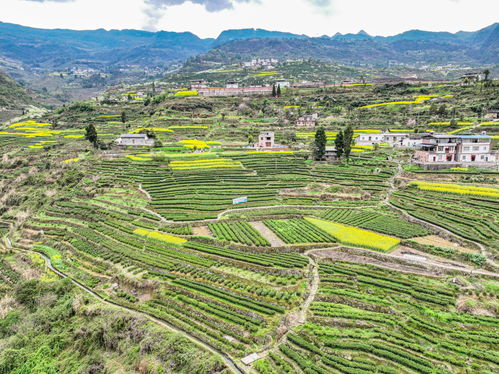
x=473 y=218
x=375 y=221
x=313 y=230
x=238 y=232
x=224 y=296
x=201 y=193
x=367 y=319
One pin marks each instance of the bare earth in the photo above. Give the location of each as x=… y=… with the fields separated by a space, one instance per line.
x=441 y=242
x=272 y=238
x=202 y=231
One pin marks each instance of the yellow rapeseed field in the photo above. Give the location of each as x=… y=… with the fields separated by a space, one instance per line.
x=354 y=236
x=160 y=236
x=457 y=189
x=205 y=164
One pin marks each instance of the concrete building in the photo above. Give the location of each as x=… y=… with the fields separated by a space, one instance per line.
x=266 y=142
x=239 y=91
x=308 y=120
x=393 y=139
x=198 y=84
x=232 y=84
x=492 y=114
x=444 y=151
x=134 y=140
x=283 y=84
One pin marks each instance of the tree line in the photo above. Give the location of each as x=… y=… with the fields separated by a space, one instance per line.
x=342 y=143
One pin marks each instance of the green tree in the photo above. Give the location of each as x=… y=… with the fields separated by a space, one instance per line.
x=320 y=143
x=347 y=141
x=123 y=117
x=486 y=72
x=274 y=91
x=91 y=134
x=338 y=143
x=278 y=91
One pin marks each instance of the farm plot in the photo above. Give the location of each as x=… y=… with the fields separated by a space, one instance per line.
x=298 y=231
x=238 y=232
x=370 y=220
x=470 y=217
x=228 y=308
x=356 y=237
x=367 y=319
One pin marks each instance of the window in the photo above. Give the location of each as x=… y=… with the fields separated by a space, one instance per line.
x=466 y=149
x=463 y=157
x=476 y=148
x=440 y=149
x=482 y=157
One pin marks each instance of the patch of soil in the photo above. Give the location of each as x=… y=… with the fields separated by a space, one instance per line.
x=441 y=242
x=475 y=307
x=202 y=231
x=268 y=234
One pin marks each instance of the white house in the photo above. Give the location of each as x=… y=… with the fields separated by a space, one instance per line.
x=475 y=148
x=283 y=84
x=441 y=151
x=393 y=139
x=134 y=140
x=232 y=84
x=308 y=120
x=369 y=138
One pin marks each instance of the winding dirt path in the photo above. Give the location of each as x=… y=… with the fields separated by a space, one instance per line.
x=231 y=364
x=268 y=234
x=295 y=318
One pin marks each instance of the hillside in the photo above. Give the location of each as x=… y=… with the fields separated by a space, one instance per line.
x=74 y=65
x=413 y=48
x=366 y=264
x=12 y=95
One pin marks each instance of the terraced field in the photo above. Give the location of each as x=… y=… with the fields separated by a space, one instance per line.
x=367 y=319
x=473 y=218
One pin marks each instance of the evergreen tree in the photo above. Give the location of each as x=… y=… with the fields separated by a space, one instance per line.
x=278 y=92
x=91 y=134
x=338 y=143
x=486 y=72
x=274 y=91
x=123 y=117
x=320 y=143
x=347 y=141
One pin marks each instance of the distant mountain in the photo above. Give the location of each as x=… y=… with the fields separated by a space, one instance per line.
x=71 y=64
x=243 y=34
x=61 y=48
x=415 y=48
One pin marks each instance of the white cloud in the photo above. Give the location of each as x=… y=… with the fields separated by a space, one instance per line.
x=207 y=18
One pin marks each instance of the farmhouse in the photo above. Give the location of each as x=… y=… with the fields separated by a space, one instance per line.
x=232 y=84
x=239 y=91
x=443 y=151
x=266 y=142
x=406 y=140
x=307 y=120
x=492 y=114
x=283 y=84
x=473 y=77
x=261 y=62
x=198 y=84
x=134 y=140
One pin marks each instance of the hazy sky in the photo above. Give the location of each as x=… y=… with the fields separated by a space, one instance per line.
x=207 y=18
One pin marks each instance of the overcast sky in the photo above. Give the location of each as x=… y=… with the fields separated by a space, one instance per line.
x=207 y=18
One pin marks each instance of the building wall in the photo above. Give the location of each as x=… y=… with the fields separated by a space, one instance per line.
x=241 y=91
